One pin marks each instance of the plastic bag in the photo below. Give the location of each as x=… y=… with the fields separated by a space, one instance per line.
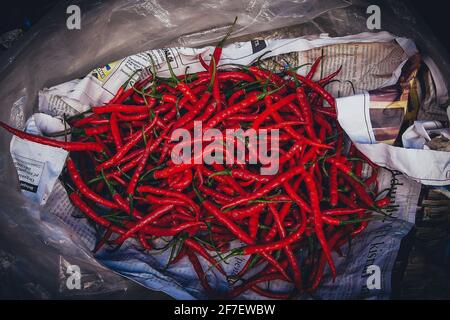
x=51 y=54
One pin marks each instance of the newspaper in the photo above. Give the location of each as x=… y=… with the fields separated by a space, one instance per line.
x=54 y=101
x=38 y=166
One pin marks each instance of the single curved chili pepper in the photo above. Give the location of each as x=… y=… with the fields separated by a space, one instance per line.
x=314 y=68
x=203 y=253
x=333 y=181
x=330 y=77
x=115 y=131
x=239 y=214
x=91 y=131
x=131 y=117
x=253 y=226
x=343 y=211
x=306 y=112
x=69 y=146
x=202 y=62
x=199 y=270
x=322 y=263
x=360 y=229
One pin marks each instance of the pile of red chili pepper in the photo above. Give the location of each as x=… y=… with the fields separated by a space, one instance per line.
x=121 y=176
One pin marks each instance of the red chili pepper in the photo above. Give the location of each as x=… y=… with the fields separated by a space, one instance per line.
x=314 y=68
x=203 y=253
x=330 y=77
x=69 y=146
x=199 y=270
x=115 y=131
x=306 y=112
x=173 y=194
x=96 y=130
x=343 y=211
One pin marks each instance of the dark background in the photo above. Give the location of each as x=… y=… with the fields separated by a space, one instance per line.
x=23 y=13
